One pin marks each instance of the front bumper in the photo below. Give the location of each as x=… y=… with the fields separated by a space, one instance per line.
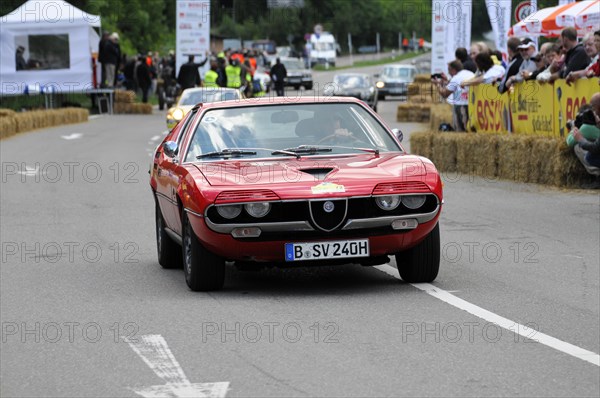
x=231 y=249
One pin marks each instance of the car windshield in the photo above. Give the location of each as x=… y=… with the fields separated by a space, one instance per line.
x=320 y=46
x=350 y=81
x=208 y=95
x=398 y=72
x=288 y=130
x=291 y=64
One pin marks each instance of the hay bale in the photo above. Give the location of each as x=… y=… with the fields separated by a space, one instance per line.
x=422 y=78
x=6 y=112
x=514 y=154
x=413 y=89
x=402 y=113
x=445 y=150
x=32 y=120
x=123 y=96
x=543 y=159
x=440 y=113
x=128 y=108
x=477 y=155
x=8 y=126
x=534 y=159
x=421 y=143
x=568 y=170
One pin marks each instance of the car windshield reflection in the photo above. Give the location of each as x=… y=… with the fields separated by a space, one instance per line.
x=342 y=128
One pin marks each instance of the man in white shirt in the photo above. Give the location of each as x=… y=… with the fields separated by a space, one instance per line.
x=456 y=95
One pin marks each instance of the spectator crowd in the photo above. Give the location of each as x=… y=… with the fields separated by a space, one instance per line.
x=565 y=58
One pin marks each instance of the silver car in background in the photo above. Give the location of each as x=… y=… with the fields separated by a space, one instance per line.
x=357 y=85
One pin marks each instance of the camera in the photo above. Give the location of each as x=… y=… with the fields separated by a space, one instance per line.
x=570 y=125
x=436 y=76
x=584 y=116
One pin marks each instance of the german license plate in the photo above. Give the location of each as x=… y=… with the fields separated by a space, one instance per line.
x=326 y=250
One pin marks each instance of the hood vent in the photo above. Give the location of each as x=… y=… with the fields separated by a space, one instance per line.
x=318 y=172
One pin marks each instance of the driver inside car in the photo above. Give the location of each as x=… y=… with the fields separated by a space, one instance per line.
x=333 y=130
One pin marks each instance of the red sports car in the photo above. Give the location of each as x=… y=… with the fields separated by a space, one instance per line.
x=292 y=182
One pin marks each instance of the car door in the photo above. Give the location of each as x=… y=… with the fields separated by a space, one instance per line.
x=167 y=177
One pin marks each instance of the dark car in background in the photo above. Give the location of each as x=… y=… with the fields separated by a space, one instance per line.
x=297 y=74
x=357 y=85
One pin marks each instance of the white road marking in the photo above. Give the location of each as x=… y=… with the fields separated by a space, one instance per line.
x=505 y=323
x=155 y=138
x=73 y=136
x=155 y=352
x=92 y=117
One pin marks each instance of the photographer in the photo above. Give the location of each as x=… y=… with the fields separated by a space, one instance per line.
x=588 y=152
x=455 y=95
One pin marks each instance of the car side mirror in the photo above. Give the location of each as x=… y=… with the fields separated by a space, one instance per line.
x=398 y=133
x=170 y=148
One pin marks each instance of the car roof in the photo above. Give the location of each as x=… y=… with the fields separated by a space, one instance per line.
x=269 y=101
x=210 y=89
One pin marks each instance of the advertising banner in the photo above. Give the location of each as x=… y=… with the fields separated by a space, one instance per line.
x=489 y=111
x=192 y=31
x=569 y=98
x=441 y=35
x=499 y=12
x=450 y=29
x=532 y=108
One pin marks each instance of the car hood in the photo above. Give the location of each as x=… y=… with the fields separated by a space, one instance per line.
x=355 y=173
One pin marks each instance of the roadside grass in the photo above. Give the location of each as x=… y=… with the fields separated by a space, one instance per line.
x=371 y=62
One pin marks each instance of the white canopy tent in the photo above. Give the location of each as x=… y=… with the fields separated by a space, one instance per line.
x=58 y=40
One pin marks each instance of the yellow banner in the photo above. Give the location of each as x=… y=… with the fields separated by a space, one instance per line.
x=530 y=107
x=488 y=109
x=569 y=98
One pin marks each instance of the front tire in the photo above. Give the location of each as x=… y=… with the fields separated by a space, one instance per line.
x=421 y=263
x=204 y=271
x=169 y=252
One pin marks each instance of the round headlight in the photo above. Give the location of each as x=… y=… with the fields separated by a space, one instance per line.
x=258 y=209
x=229 y=211
x=388 y=202
x=178 y=114
x=413 y=202
x=380 y=84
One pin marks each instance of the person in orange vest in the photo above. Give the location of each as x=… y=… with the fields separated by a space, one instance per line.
x=405 y=44
x=421 y=44
x=239 y=57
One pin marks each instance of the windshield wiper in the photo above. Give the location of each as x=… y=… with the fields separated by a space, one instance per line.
x=370 y=150
x=227 y=152
x=311 y=150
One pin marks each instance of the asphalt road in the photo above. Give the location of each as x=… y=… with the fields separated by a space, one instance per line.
x=87 y=311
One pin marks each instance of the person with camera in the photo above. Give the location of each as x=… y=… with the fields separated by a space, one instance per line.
x=455 y=95
x=587 y=151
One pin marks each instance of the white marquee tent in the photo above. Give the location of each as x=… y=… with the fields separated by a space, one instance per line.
x=58 y=40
